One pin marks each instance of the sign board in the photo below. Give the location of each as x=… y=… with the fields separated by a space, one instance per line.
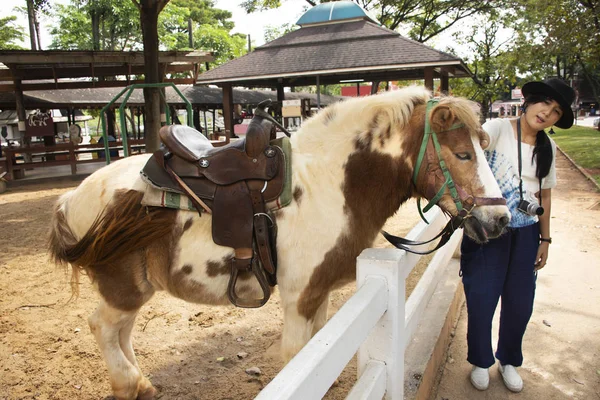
x=292 y=103
x=516 y=94
x=39 y=124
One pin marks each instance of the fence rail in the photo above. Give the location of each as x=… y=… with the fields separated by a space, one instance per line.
x=376 y=321
x=19 y=159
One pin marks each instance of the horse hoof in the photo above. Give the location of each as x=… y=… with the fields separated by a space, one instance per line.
x=147 y=393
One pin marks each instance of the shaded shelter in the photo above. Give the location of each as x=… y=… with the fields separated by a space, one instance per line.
x=337 y=42
x=23 y=70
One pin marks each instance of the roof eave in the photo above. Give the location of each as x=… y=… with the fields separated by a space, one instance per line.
x=241 y=79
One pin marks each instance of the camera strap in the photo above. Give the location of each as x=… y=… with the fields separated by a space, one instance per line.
x=521 y=163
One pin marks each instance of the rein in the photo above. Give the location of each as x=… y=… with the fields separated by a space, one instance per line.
x=436 y=168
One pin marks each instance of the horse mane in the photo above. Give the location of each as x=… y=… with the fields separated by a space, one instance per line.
x=345 y=122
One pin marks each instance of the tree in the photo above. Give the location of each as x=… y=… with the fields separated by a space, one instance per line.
x=97 y=25
x=10 y=33
x=492 y=61
x=34 y=9
x=423 y=19
x=566 y=37
x=149 y=11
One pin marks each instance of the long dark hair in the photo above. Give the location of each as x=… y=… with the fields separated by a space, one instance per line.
x=542 y=152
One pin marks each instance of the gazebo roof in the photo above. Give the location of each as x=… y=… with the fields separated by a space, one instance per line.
x=337 y=51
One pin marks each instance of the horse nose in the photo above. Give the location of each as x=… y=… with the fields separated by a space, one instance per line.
x=503 y=221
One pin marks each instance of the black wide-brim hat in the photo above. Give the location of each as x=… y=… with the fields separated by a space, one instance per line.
x=557 y=90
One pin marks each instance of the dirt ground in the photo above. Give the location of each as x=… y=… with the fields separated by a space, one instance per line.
x=189 y=351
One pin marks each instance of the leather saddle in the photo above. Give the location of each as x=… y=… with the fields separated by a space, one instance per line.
x=233 y=183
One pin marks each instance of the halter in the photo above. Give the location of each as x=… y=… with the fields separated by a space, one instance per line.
x=436 y=168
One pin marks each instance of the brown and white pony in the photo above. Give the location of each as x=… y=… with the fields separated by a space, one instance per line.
x=352 y=169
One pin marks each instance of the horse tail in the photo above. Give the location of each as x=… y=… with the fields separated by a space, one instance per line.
x=123 y=227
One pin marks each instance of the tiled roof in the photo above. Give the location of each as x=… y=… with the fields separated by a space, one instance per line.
x=97 y=98
x=358 y=47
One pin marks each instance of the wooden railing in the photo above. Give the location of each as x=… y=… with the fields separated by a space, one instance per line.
x=19 y=159
x=377 y=323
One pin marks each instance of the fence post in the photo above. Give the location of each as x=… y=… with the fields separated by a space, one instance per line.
x=386 y=341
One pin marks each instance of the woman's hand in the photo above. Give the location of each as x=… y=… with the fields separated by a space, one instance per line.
x=542 y=255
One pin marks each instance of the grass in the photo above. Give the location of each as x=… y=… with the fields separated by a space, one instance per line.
x=582 y=144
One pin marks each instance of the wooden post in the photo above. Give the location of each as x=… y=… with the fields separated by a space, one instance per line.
x=444 y=83
x=22 y=116
x=386 y=341
x=280 y=94
x=73 y=159
x=228 y=107
x=428 y=76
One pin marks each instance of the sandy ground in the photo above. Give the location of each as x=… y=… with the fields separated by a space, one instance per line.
x=562 y=343
x=189 y=351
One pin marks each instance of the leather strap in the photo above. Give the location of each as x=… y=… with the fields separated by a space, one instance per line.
x=261 y=229
x=196 y=201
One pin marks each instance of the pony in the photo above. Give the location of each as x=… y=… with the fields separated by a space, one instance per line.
x=352 y=168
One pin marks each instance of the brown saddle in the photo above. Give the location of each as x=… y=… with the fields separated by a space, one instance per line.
x=233 y=183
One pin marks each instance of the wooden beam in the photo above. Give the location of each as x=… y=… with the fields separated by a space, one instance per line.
x=85 y=57
x=428 y=76
x=53 y=72
x=228 y=108
x=85 y=84
x=444 y=83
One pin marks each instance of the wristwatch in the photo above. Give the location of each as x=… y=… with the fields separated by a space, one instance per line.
x=549 y=240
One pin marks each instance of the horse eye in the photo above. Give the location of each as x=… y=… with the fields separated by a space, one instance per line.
x=463 y=156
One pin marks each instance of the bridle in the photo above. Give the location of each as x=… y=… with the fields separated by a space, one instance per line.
x=437 y=170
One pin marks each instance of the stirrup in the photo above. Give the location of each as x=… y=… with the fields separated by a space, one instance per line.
x=260 y=277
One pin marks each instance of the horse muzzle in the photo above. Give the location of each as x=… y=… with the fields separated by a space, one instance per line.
x=486 y=222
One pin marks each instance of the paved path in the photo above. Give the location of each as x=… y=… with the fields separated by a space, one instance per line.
x=562 y=343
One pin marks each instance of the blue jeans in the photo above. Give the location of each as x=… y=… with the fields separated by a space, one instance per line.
x=503 y=267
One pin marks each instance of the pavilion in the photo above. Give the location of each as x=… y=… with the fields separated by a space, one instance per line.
x=338 y=42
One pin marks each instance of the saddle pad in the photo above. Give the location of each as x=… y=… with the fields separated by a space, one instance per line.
x=157 y=197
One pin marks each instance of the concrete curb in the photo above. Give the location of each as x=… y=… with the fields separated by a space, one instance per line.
x=582 y=170
x=426 y=353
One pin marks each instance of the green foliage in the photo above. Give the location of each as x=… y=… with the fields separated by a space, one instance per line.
x=118 y=25
x=259 y=5
x=224 y=46
x=274 y=32
x=10 y=33
x=203 y=12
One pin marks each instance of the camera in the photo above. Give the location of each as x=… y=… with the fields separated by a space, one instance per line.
x=529 y=206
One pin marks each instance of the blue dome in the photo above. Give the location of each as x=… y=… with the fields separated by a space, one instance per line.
x=334 y=11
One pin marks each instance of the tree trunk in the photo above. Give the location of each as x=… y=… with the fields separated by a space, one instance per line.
x=36 y=24
x=30 y=15
x=149 y=10
x=95 y=30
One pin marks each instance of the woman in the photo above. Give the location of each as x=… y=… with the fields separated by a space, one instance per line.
x=507 y=267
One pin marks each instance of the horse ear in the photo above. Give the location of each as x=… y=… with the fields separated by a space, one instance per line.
x=442 y=118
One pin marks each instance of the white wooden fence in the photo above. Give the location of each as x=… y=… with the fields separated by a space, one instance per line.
x=376 y=321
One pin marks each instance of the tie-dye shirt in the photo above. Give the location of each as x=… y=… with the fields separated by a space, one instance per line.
x=502 y=156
